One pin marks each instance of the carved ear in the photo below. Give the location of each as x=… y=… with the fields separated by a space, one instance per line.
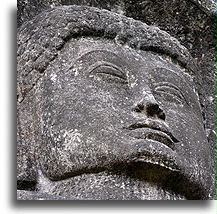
x=210 y=134
x=26 y=161
x=26 y=171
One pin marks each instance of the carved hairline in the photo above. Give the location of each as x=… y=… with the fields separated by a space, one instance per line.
x=40 y=39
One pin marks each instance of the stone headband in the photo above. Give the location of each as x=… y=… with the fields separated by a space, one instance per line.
x=40 y=39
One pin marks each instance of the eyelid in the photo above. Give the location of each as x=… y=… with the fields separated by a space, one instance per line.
x=163 y=85
x=118 y=72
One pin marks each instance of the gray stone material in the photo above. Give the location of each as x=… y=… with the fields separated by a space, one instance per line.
x=30 y=195
x=108 y=109
x=192 y=22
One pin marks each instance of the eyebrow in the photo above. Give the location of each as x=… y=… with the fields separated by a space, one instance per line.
x=159 y=69
x=183 y=78
x=95 y=51
x=121 y=63
x=175 y=57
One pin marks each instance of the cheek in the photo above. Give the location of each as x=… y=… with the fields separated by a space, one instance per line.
x=184 y=120
x=90 y=109
x=105 y=99
x=87 y=106
x=187 y=127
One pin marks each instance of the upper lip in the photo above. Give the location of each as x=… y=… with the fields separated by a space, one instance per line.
x=154 y=130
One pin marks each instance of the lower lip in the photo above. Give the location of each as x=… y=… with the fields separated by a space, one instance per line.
x=151 y=151
x=151 y=134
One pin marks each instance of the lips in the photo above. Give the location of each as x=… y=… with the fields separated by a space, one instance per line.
x=153 y=130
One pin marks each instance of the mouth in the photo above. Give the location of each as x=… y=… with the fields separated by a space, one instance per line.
x=152 y=130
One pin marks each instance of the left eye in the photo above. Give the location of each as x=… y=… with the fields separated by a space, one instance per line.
x=170 y=92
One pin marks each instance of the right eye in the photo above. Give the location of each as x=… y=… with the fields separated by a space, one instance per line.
x=109 y=73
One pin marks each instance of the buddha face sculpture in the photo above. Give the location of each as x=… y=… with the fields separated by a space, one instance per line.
x=106 y=107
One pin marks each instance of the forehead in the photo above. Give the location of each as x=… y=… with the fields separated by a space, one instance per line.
x=80 y=54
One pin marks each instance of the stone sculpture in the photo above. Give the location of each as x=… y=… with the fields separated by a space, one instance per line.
x=107 y=110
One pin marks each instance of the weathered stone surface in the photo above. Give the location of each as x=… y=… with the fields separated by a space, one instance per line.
x=27 y=9
x=30 y=195
x=108 y=109
x=192 y=22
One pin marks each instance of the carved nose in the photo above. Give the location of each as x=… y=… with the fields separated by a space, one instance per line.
x=150 y=109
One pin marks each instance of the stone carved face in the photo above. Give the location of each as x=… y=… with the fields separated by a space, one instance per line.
x=106 y=106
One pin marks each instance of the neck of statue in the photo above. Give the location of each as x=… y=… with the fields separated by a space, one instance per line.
x=105 y=186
